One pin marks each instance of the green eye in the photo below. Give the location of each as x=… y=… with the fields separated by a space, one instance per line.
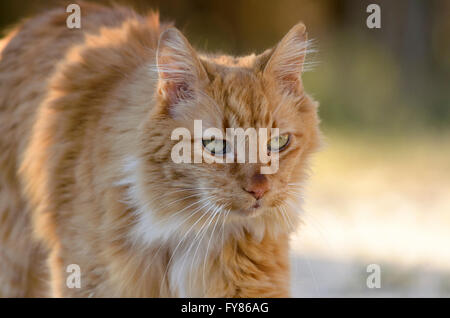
x=278 y=143
x=216 y=146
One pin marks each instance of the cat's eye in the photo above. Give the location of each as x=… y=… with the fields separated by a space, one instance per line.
x=216 y=147
x=278 y=143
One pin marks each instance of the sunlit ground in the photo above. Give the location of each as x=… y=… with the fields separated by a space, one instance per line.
x=376 y=200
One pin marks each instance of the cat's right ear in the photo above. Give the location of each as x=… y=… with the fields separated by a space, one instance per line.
x=179 y=68
x=285 y=62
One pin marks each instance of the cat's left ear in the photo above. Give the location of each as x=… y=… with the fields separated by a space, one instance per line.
x=179 y=68
x=285 y=64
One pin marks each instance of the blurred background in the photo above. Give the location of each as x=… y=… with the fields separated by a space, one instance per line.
x=380 y=188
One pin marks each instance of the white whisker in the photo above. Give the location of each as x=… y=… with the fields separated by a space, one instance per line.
x=207 y=248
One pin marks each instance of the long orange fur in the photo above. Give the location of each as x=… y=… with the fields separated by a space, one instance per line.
x=85 y=166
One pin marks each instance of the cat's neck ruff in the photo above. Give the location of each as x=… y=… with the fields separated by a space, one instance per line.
x=189 y=252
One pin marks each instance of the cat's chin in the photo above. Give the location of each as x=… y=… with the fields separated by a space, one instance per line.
x=254 y=211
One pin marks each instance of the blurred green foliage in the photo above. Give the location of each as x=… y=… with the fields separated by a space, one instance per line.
x=367 y=80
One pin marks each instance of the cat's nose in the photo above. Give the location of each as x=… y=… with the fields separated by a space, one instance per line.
x=258 y=186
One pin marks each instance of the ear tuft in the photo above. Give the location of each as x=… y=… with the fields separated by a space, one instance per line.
x=286 y=62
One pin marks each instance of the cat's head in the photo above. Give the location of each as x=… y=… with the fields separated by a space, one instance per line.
x=256 y=91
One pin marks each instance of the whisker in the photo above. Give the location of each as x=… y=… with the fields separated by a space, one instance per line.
x=184 y=209
x=210 y=217
x=286 y=216
x=178 y=226
x=207 y=248
x=200 y=239
x=179 y=243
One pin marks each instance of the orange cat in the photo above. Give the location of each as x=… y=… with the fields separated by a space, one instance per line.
x=86 y=174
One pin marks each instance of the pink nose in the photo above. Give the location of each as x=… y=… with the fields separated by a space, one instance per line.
x=259 y=185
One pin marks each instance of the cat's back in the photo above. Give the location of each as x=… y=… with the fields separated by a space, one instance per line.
x=31 y=57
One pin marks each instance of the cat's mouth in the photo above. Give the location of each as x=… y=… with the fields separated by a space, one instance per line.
x=256 y=205
x=252 y=210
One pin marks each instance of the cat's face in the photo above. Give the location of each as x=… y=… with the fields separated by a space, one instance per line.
x=262 y=91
